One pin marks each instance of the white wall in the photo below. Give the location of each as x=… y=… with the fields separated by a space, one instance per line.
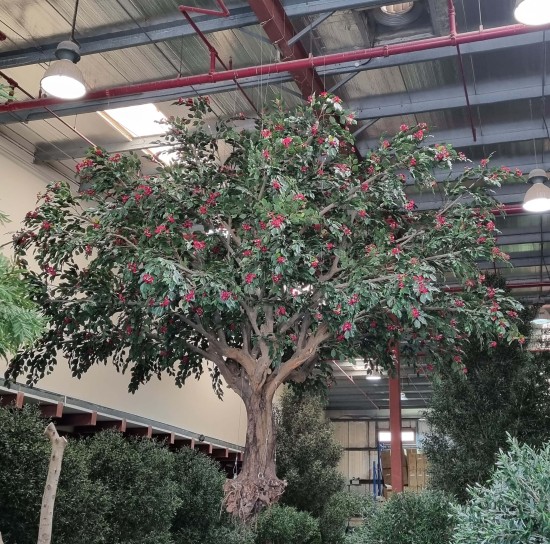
x=194 y=407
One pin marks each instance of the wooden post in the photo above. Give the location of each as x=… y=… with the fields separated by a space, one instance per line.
x=59 y=444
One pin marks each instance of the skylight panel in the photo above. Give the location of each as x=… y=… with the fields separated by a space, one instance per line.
x=139 y=121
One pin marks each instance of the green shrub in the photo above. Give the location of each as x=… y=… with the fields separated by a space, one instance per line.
x=408 y=518
x=286 y=525
x=514 y=506
x=307 y=452
x=138 y=477
x=336 y=513
x=199 y=483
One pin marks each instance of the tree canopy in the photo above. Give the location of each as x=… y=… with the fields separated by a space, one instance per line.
x=267 y=252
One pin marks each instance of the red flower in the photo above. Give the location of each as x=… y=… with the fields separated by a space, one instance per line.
x=346 y=230
x=277 y=221
x=147 y=278
x=458 y=303
x=281 y=310
x=265 y=154
x=281 y=259
x=50 y=270
x=362 y=213
x=412 y=162
x=132 y=267
x=286 y=141
x=276 y=185
x=385 y=144
x=115 y=158
x=247 y=253
x=314 y=263
x=165 y=302
x=409 y=205
x=88 y=249
x=277 y=278
x=189 y=297
x=347 y=326
x=147 y=233
x=46 y=225
x=354 y=299
x=404 y=128
x=170 y=219
x=490 y=226
x=299 y=196
x=198 y=245
x=481 y=240
x=484 y=162
x=199 y=311
x=246 y=227
x=330 y=246
x=493 y=344
x=395 y=251
x=266 y=133
x=365 y=186
x=160 y=229
x=314 y=130
x=125 y=198
x=293 y=337
x=203 y=210
x=415 y=313
x=225 y=295
x=187 y=224
x=419 y=135
x=457 y=359
x=249 y=278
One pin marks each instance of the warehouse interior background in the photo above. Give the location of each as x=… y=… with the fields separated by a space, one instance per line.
x=480 y=85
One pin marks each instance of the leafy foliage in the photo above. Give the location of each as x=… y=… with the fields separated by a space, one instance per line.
x=336 y=513
x=111 y=489
x=326 y=247
x=286 y=525
x=506 y=392
x=20 y=322
x=514 y=506
x=408 y=518
x=307 y=453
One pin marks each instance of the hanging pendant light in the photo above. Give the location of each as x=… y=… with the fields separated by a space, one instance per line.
x=537 y=197
x=532 y=12
x=63 y=78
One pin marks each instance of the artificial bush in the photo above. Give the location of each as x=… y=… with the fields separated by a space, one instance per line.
x=307 y=452
x=408 y=518
x=286 y=525
x=336 y=513
x=514 y=506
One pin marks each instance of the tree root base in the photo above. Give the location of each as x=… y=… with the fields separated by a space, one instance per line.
x=246 y=497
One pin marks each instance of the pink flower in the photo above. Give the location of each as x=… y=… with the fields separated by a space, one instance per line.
x=203 y=210
x=404 y=128
x=347 y=326
x=132 y=267
x=286 y=141
x=281 y=259
x=395 y=251
x=314 y=130
x=147 y=233
x=165 y=302
x=198 y=245
x=265 y=154
x=484 y=162
x=365 y=186
x=314 y=263
x=457 y=359
x=458 y=303
x=88 y=249
x=362 y=213
x=415 y=313
x=481 y=240
x=249 y=278
x=409 y=205
x=299 y=196
x=330 y=246
x=46 y=225
x=160 y=229
x=115 y=158
x=187 y=224
x=490 y=226
x=125 y=198
x=493 y=344
x=281 y=310
x=293 y=337
x=386 y=144
x=419 y=135
x=412 y=162
x=147 y=278
x=266 y=133
x=276 y=185
x=50 y=270
x=346 y=230
x=225 y=295
x=189 y=297
x=199 y=311
x=354 y=299
x=277 y=221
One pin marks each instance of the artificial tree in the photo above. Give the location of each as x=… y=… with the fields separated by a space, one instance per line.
x=262 y=262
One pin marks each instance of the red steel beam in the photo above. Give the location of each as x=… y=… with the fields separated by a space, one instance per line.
x=279 y=29
x=147 y=432
x=88 y=419
x=287 y=66
x=52 y=410
x=17 y=399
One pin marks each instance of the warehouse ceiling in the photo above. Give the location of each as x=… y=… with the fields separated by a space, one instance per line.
x=128 y=42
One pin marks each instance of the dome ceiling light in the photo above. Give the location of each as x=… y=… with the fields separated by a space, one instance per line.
x=537 y=197
x=532 y=12
x=63 y=78
x=399 y=14
x=397 y=9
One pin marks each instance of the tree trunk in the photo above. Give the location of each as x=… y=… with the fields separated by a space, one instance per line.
x=48 y=499
x=257 y=486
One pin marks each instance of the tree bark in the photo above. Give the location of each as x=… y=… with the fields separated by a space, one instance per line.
x=257 y=486
x=48 y=499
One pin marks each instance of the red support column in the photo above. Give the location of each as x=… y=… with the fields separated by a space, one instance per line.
x=396 y=460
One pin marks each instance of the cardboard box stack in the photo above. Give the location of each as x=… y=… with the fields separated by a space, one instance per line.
x=414 y=471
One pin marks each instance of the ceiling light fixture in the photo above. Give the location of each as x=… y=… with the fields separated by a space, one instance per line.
x=543 y=316
x=532 y=12
x=63 y=78
x=397 y=9
x=537 y=197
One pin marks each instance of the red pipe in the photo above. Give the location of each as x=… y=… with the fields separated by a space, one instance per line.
x=288 y=66
x=224 y=12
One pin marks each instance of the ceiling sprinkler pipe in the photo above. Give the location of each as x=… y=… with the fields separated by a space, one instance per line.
x=287 y=66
